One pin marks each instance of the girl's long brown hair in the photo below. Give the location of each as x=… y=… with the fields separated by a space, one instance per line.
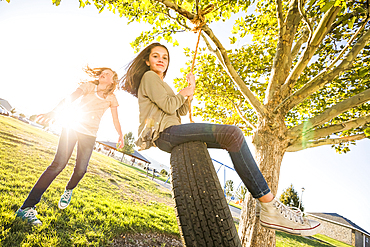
x=130 y=82
x=95 y=73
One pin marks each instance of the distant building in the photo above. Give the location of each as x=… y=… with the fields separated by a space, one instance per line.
x=337 y=227
x=6 y=104
x=113 y=146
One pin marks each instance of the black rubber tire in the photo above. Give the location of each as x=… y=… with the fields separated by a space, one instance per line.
x=203 y=215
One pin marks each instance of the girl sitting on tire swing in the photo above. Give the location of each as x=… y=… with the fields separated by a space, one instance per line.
x=160 y=125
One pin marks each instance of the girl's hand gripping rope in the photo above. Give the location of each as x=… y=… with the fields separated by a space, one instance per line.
x=191 y=80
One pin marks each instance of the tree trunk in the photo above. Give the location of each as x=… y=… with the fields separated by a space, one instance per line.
x=270 y=142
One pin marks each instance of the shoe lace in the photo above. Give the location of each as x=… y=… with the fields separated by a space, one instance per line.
x=291 y=213
x=31 y=214
x=67 y=194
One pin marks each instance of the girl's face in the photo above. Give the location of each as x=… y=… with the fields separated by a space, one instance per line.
x=158 y=60
x=106 y=77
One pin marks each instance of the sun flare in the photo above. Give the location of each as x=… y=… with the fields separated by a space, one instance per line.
x=69 y=117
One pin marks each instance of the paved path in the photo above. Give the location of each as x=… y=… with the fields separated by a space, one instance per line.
x=235 y=212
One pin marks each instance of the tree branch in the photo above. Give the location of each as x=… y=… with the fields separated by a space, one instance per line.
x=178 y=9
x=177 y=20
x=230 y=70
x=310 y=50
x=328 y=130
x=236 y=107
x=280 y=15
x=305 y=19
x=345 y=18
x=330 y=113
x=281 y=65
x=219 y=57
x=253 y=100
x=249 y=123
x=301 y=145
x=348 y=44
x=325 y=76
x=214 y=51
x=297 y=46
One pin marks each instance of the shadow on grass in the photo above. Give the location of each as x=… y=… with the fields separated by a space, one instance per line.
x=19 y=232
x=285 y=239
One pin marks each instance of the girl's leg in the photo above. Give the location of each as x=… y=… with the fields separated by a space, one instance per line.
x=228 y=137
x=66 y=145
x=273 y=214
x=85 y=146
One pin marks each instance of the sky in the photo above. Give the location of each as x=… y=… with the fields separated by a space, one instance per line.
x=44 y=48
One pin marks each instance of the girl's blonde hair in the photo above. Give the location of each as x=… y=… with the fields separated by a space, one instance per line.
x=95 y=73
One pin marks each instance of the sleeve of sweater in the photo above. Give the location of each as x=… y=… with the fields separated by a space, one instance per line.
x=153 y=88
x=183 y=110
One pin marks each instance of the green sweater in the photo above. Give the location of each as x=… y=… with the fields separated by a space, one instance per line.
x=159 y=105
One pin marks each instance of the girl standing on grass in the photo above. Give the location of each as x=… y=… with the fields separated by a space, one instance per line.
x=96 y=97
x=160 y=110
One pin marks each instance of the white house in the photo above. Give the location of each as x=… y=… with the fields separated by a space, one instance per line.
x=337 y=227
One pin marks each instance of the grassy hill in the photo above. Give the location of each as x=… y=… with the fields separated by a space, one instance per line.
x=112 y=201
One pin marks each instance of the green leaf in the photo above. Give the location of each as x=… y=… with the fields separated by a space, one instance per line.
x=367 y=132
x=360 y=9
x=327 y=6
x=235 y=29
x=145 y=4
x=82 y=4
x=187 y=6
x=362 y=72
x=311 y=2
x=135 y=5
x=232 y=40
x=351 y=22
x=56 y=2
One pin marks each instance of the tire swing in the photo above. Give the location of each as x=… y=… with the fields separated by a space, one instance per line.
x=202 y=212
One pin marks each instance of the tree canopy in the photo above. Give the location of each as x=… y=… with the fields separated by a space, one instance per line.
x=304 y=59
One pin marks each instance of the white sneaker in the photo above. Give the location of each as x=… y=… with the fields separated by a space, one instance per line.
x=29 y=215
x=258 y=208
x=277 y=216
x=65 y=199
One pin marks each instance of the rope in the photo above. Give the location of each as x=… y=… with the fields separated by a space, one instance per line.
x=195 y=53
x=199 y=22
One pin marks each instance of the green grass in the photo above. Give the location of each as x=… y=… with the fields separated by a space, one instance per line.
x=235 y=205
x=111 y=200
x=331 y=241
x=318 y=240
x=150 y=174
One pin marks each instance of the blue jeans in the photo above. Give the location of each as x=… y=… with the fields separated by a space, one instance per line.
x=67 y=142
x=227 y=137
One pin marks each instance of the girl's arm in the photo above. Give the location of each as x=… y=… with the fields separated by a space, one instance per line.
x=117 y=125
x=184 y=109
x=154 y=89
x=50 y=116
